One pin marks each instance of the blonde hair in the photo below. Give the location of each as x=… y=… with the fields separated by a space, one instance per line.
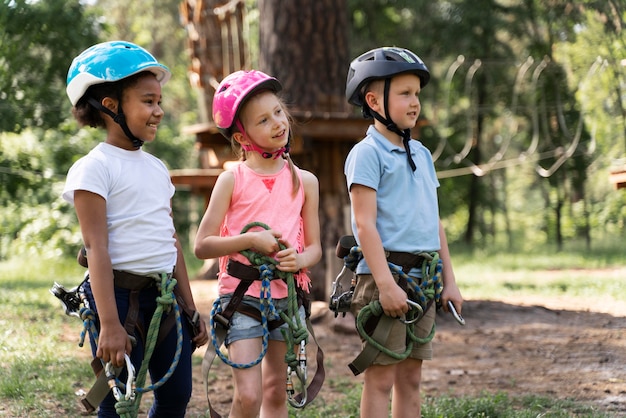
x=241 y=153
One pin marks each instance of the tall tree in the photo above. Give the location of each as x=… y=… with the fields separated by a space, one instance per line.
x=305 y=45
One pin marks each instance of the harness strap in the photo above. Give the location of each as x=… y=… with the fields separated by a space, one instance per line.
x=369 y=353
x=100 y=388
x=135 y=283
x=248 y=274
x=378 y=327
x=130 y=323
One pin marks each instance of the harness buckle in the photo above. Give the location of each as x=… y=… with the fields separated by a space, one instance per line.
x=222 y=320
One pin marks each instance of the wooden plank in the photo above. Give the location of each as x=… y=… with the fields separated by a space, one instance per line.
x=618 y=178
x=195 y=178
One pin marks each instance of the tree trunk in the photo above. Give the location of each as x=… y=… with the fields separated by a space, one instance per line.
x=304 y=44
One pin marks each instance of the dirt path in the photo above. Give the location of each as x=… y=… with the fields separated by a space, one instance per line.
x=546 y=347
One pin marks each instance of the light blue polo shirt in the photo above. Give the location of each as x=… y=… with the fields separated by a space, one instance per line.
x=407 y=207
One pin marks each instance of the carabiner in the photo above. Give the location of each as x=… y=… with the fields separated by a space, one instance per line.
x=417 y=306
x=130 y=381
x=301 y=373
x=456 y=315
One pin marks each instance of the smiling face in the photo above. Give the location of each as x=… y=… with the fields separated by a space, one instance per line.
x=265 y=122
x=141 y=104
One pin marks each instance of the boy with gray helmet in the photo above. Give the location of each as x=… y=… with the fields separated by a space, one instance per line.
x=392 y=184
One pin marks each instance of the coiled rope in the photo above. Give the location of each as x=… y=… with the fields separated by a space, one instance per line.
x=128 y=406
x=429 y=289
x=296 y=334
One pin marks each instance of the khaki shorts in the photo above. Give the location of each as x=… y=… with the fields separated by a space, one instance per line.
x=366 y=292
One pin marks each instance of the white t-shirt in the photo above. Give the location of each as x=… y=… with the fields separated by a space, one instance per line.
x=138 y=191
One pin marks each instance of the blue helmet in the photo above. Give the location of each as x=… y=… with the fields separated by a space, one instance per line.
x=108 y=62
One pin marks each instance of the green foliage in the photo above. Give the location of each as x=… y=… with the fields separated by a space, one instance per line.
x=35 y=221
x=502 y=406
x=36 y=43
x=515 y=208
x=347 y=405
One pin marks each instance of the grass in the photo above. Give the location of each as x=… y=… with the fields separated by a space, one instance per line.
x=43 y=367
x=543 y=272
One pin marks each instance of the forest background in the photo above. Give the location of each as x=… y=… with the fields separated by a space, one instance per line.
x=525 y=115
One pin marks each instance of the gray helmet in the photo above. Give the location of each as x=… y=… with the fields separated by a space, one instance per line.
x=382 y=63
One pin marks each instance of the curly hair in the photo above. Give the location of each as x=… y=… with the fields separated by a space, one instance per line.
x=87 y=115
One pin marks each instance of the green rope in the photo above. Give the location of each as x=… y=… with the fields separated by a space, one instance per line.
x=429 y=289
x=297 y=332
x=129 y=408
x=164 y=302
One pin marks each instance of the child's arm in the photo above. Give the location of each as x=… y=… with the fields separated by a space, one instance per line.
x=392 y=298
x=209 y=243
x=182 y=281
x=113 y=341
x=289 y=260
x=451 y=291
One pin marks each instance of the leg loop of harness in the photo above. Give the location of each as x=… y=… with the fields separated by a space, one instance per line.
x=264 y=268
x=373 y=326
x=167 y=306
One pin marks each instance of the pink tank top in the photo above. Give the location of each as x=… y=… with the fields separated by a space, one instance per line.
x=265 y=198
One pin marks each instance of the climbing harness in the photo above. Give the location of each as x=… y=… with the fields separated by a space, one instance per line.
x=169 y=302
x=372 y=325
x=263 y=268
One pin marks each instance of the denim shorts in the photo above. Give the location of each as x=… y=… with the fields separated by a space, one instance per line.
x=243 y=327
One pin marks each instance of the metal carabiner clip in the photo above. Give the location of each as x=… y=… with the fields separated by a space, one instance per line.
x=130 y=381
x=456 y=315
x=415 y=305
x=301 y=373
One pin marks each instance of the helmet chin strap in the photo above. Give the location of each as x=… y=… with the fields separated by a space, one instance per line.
x=265 y=154
x=390 y=124
x=118 y=118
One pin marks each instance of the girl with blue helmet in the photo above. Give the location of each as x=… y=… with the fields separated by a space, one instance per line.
x=122 y=197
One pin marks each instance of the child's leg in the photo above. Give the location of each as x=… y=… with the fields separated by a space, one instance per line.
x=378 y=381
x=275 y=381
x=248 y=390
x=406 y=401
x=171 y=399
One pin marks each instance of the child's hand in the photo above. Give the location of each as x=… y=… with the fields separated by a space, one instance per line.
x=202 y=336
x=393 y=300
x=287 y=258
x=113 y=343
x=266 y=241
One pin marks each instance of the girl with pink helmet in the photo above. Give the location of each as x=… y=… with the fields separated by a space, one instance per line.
x=264 y=206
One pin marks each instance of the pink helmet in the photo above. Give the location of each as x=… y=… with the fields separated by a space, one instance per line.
x=233 y=91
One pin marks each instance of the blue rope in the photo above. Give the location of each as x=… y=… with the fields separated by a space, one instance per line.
x=167 y=297
x=429 y=288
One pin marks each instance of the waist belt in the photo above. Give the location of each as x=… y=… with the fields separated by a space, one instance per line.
x=135 y=328
x=405 y=260
x=132 y=281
